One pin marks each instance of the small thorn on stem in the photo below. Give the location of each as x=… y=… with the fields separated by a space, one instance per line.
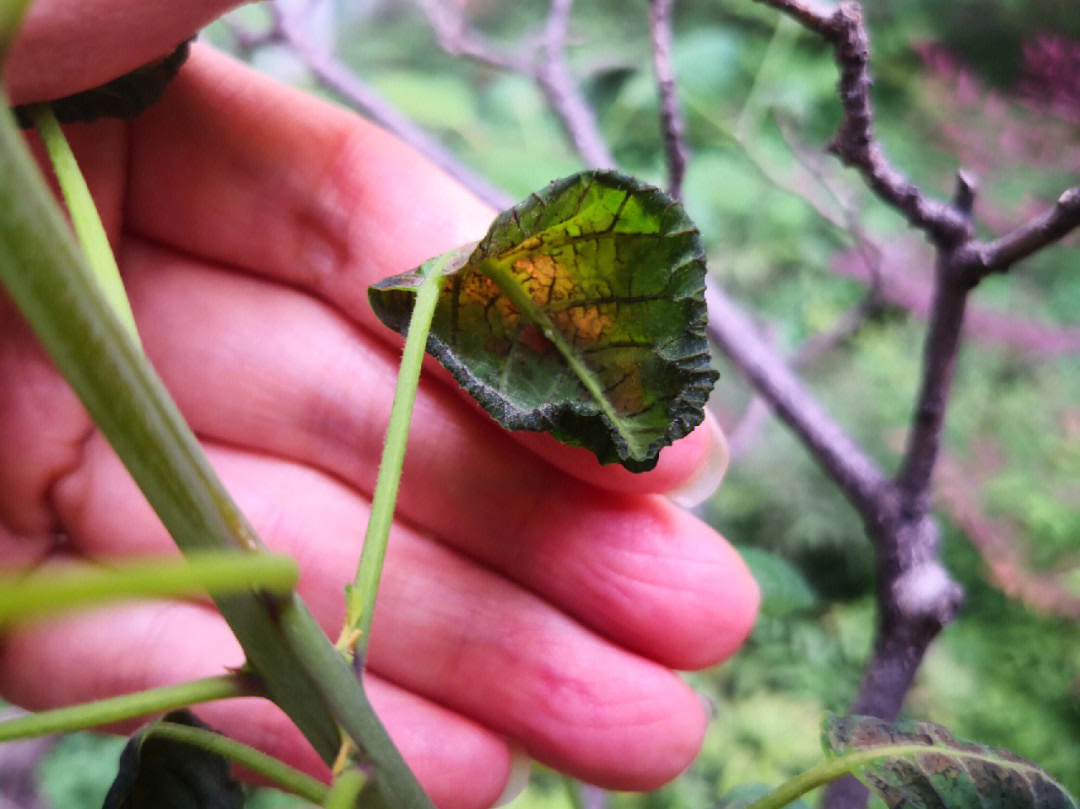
x=964 y=197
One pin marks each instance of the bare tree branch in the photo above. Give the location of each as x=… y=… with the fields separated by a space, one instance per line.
x=739 y=337
x=854 y=144
x=454 y=36
x=1000 y=254
x=542 y=60
x=939 y=364
x=671 y=122
x=561 y=91
x=339 y=78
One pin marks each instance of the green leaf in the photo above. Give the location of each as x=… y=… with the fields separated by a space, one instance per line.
x=784 y=589
x=161 y=773
x=942 y=772
x=580 y=313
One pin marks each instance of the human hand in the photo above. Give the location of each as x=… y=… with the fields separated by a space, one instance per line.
x=532 y=600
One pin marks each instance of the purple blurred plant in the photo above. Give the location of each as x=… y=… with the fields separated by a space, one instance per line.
x=1050 y=74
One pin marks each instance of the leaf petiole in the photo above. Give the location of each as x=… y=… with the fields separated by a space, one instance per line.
x=84 y=215
x=218 y=573
x=829 y=770
x=289 y=778
x=128 y=706
x=360 y=596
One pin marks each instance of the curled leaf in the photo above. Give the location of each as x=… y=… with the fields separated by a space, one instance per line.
x=157 y=773
x=580 y=313
x=936 y=771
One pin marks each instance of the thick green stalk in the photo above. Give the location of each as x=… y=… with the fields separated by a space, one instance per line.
x=128 y=706
x=268 y=767
x=56 y=590
x=49 y=281
x=829 y=770
x=389 y=773
x=83 y=213
x=360 y=597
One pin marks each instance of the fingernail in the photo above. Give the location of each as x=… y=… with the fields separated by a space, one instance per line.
x=520 y=773
x=697 y=490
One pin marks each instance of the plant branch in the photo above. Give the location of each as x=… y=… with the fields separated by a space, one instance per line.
x=738 y=336
x=54 y=590
x=337 y=77
x=129 y=706
x=1052 y=226
x=671 y=121
x=48 y=280
x=360 y=597
x=544 y=63
x=555 y=80
x=83 y=213
x=939 y=364
x=457 y=38
x=843 y=29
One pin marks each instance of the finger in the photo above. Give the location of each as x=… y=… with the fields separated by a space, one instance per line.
x=445 y=627
x=248 y=173
x=129 y=647
x=42 y=427
x=66 y=46
x=283 y=374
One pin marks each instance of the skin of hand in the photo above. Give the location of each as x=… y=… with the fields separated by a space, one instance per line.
x=533 y=604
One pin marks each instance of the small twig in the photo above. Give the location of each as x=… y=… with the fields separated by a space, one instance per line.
x=868 y=248
x=562 y=93
x=841 y=459
x=543 y=61
x=456 y=38
x=336 y=76
x=843 y=329
x=671 y=122
x=854 y=144
x=1000 y=254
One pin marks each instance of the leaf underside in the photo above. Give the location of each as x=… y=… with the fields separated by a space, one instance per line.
x=580 y=313
x=158 y=773
x=950 y=774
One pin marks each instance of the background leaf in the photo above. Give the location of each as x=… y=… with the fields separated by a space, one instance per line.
x=950 y=774
x=158 y=773
x=581 y=313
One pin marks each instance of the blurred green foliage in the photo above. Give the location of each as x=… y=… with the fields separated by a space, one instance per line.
x=759 y=98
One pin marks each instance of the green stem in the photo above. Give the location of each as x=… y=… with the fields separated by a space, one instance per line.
x=49 y=281
x=55 y=590
x=268 y=767
x=360 y=597
x=84 y=215
x=345 y=791
x=11 y=14
x=350 y=706
x=829 y=770
x=128 y=706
